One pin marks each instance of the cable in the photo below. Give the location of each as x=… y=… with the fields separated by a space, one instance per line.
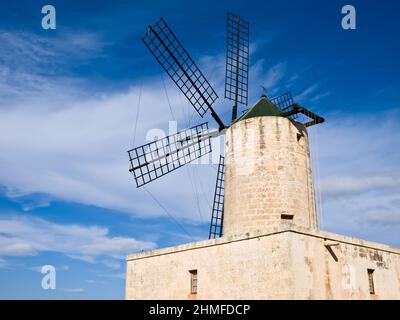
x=194 y=189
x=319 y=180
x=196 y=193
x=166 y=94
x=168 y=213
x=317 y=177
x=203 y=193
x=137 y=115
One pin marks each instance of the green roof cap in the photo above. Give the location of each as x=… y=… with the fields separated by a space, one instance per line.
x=263 y=107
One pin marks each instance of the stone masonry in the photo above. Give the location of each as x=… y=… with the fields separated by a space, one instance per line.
x=271 y=246
x=267 y=175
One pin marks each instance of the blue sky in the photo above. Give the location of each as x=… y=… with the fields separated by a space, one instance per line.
x=68 y=106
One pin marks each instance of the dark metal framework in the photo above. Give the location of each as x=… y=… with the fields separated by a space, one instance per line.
x=237 y=61
x=155 y=159
x=285 y=103
x=217 y=216
x=292 y=110
x=175 y=60
x=296 y=109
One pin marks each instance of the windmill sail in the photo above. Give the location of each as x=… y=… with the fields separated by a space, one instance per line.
x=175 y=60
x=285 y=103
x=313 y=118
x=237 y=61
x=291 y=110
x=217 y=216
x=155 y=159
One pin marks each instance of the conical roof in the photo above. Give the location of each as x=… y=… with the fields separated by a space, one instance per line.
x=263 y=107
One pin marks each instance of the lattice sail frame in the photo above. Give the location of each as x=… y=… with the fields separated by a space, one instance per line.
x=285 y=103
x=294 y=111
x=217 y=216
x=155 y=159
x=237 y=59
x=175 y=60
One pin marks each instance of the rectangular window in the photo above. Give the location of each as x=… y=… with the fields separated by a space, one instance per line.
x=287 y=216
x=371 y=281
x=193 y=281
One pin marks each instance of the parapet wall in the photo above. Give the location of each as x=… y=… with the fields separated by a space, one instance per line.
x=285 y=263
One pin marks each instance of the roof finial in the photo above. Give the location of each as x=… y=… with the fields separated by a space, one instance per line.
x=263 y=91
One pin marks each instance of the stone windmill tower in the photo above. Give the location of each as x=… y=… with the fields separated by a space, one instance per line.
x=268 y=177
x=264 y=237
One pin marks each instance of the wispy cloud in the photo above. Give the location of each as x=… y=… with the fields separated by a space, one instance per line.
x=269 y=77
x=112 y=264
x=78 y=149
x=91 y=281
x=30 y=236
x=78 y=153
x=320 y=96
x=359 y=175
x=31 y=65
x=384 y=218
x=73 y=147
x=120 y=275
x=306 y=92
x=73 y=290
x=45 y=54
x=312 y=93
x=58 y=268
x=350 y=185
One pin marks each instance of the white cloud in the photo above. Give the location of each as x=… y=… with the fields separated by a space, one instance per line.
x=33 y=66
x=26 y=50
x=58 y=268
x=273 y=78
x=120 y=275
x=73 y=147
x=73 y=290
x=79 y=154
x=320 y=96
x=359 y=174
x=11 y=246
x=349 y=185
x=91 y=281
x=112 y=264
x=385 y=218
x=306 y=93
x=30 y=236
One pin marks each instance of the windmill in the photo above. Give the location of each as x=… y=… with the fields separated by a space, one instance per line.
x=158 y=158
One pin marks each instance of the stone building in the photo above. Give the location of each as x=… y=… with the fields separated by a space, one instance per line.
x=271 y=247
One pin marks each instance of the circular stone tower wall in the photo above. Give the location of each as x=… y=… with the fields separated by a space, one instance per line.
x=268 y=179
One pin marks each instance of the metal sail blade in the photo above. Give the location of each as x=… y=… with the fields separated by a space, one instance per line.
x=175 y=60
x=237 y=61
x=217 y=216
x=312 y=118
x=292 y=110
x=155 y=159
x=285 y=103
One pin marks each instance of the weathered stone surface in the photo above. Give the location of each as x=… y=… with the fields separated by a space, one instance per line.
x=264 y=254
x=282 y=263
x=267 y=175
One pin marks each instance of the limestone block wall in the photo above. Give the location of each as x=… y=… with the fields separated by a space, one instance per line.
x=267 y=175
x=251 y=269
x=341 y=272
x=291 y=263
